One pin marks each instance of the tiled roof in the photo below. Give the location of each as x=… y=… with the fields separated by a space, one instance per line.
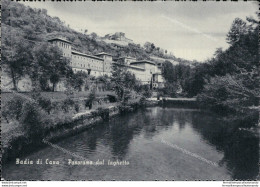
x=143 y=62
x=86 y=55
x=61 y=39
x=103 y=53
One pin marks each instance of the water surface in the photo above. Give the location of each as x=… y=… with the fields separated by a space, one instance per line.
x=195 y=141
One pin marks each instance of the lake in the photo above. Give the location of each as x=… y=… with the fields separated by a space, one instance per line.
x=152 y=144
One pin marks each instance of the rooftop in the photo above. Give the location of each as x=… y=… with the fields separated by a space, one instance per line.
x=143 y=62
x=60 y=39
x=103 y=53
x=86 y=55
x=128 y=57
x=129 y=66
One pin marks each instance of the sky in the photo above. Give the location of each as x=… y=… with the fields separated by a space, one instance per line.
x=190 y=30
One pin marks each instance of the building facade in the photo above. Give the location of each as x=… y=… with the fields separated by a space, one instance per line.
x=125 y=60
x=107 y=63
x=101 y=63
x=119 y=36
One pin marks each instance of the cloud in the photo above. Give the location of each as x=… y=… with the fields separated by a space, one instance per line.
x=191 y=30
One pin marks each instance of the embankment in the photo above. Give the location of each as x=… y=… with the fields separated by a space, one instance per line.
x=23 y=145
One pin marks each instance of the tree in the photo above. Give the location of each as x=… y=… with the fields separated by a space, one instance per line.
x=230 y=93
x=233 y=83
x=16 y=56
x=168 y=72
x=93 y=35
x=49 y=64
x=78 y=79
x=152 y=46
x=117 y=78
x=124 y=83
x=91 y=97
x=238 y=29
x=147 y=47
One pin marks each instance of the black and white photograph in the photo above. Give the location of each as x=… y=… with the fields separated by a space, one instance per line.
x=130 y=91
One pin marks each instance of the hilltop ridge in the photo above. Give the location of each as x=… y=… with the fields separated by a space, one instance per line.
x=37 y=26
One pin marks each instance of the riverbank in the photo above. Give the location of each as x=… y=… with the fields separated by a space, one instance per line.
x=176 y=102
x=18 y=144
x=155 y=135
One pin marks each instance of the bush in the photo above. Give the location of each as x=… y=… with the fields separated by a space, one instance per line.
x=56 y=105
x=46 y=104
x=170 y=89
x=32 y=119
x=147 y=92
x=13 y=109
x=86 y=103
x=228 y=95
x=91 y=98
x=142 y=101
x=67 y=103
x=124 y=109
x=103 y=113
x=76 y=106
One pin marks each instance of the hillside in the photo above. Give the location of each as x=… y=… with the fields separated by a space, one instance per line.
x=36 y=26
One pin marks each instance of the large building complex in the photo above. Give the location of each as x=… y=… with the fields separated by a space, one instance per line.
x=101 y=64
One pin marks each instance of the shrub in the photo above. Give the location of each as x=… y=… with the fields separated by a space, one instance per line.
x=94 y=113
x=13 y=108
x=103 y=113
x=67 y=103
x=32 y=120
x=86 y=103
x=228 y=95
x=124 y=109
x=142 y=101
x=91 y=98
x=147 y=92
x=56 y=105
x=45 y=103
x=76 y=106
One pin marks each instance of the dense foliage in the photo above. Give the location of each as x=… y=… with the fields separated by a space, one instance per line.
x=25 y=50
x=127 y=87
x=234 y=77
x=37 y=25
x=229 y=82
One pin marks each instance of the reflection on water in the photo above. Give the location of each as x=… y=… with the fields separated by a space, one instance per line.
x=137 y=138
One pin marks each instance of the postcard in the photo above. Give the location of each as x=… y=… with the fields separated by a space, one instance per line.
x=130 y=91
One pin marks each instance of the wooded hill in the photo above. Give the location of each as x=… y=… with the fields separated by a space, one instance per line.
x=36 y=25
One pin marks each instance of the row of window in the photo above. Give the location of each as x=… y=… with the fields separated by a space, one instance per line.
x=64 y=45
x=83 y=58
x=87 y=59
x=64 y=54
x=86 y=65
